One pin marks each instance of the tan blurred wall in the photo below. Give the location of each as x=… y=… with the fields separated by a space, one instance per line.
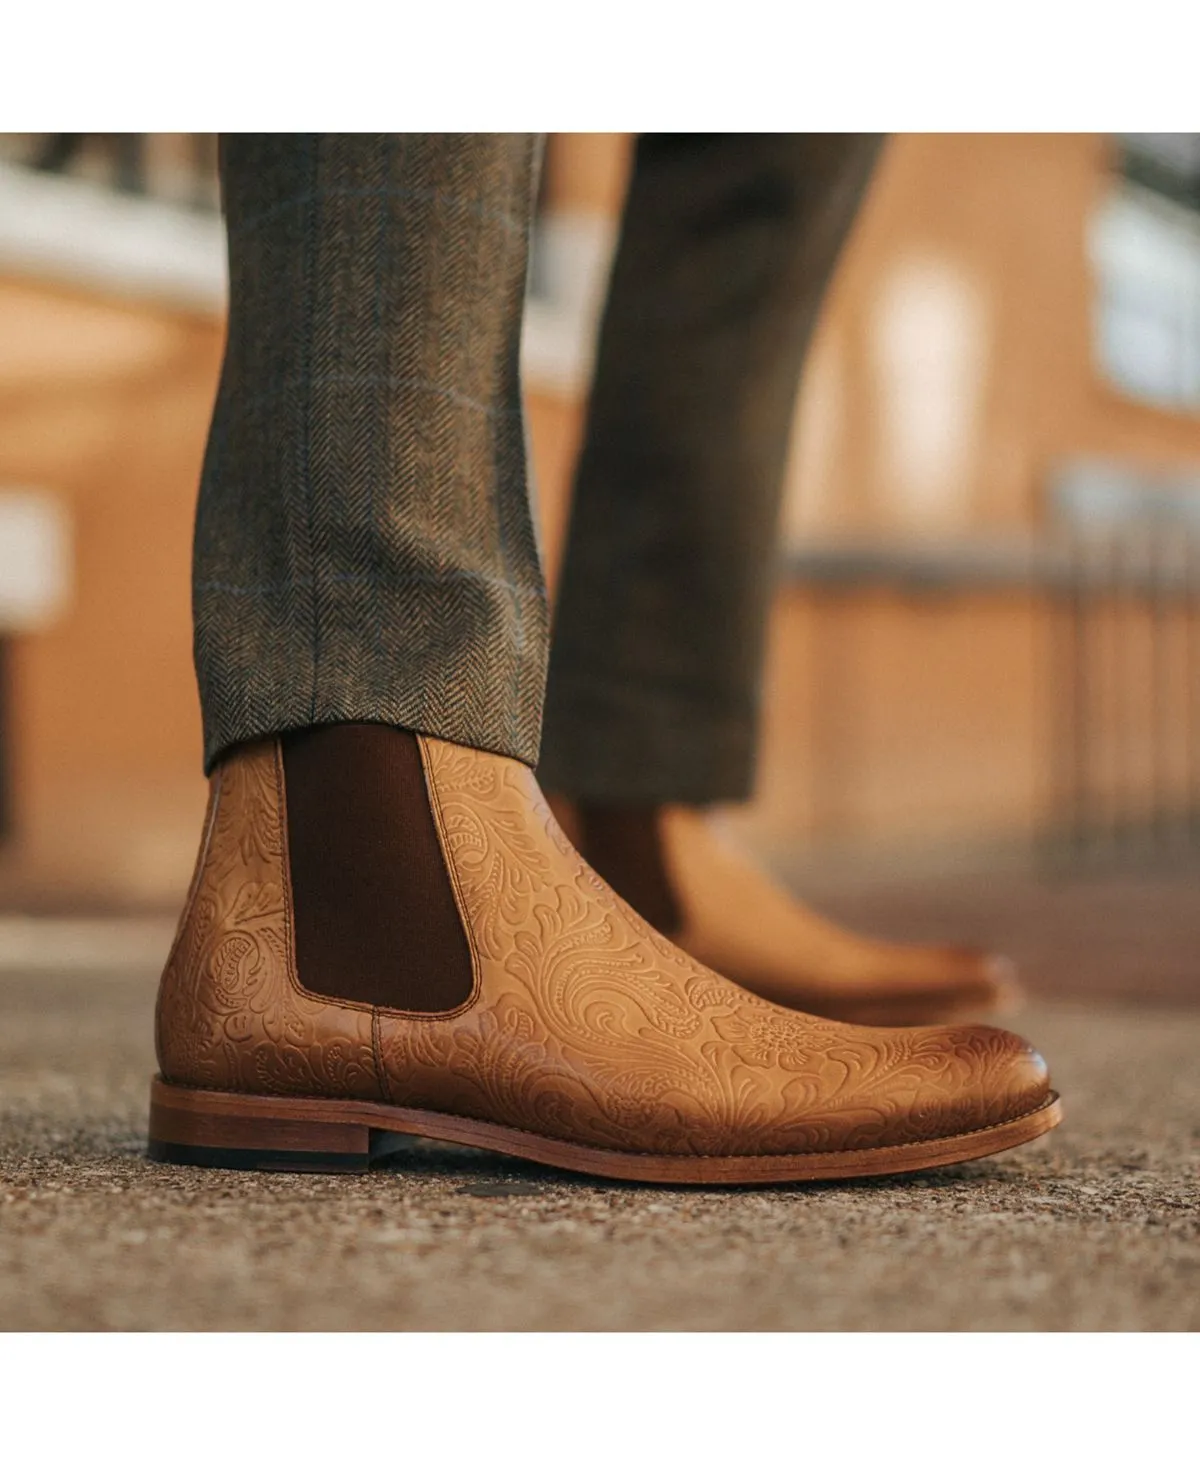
x=960 y=315
x=889 y=721
x=991 y=229
x=105 y=404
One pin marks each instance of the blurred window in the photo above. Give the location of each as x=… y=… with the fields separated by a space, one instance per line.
x=1145 y=248
x=172 y=167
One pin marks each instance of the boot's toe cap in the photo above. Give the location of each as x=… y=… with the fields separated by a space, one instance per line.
x=991 y=1076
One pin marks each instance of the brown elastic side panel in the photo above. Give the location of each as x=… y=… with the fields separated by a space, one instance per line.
x=623 y=843
x=376 y=920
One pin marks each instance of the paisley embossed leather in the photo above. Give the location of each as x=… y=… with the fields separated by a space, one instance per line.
x=623 y=844
x=583 y=1024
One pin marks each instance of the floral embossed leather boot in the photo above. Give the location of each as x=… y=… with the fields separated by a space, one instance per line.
x=503 y=996
x=671 y=865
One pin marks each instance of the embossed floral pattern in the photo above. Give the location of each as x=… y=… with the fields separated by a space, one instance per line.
x=584 y=1024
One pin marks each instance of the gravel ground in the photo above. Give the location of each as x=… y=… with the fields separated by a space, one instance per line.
x=1094 y=1227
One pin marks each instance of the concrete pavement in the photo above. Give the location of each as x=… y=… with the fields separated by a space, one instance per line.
x=1094 y=1227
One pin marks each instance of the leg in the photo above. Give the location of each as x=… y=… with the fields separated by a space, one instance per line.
x=364 y=547
x=727 y=247
x=387 y=932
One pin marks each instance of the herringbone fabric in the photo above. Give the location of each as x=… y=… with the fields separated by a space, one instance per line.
x=364 y=549
x=727 y=244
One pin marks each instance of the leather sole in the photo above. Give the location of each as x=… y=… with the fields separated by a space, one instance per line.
x=201 y=1127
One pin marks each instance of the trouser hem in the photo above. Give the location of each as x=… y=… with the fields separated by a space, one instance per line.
x=418 y=715
x=661 y=757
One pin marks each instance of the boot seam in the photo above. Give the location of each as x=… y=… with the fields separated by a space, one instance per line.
x=439 y=824
x=377 y=1050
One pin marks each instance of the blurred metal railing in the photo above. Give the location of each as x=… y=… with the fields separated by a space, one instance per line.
x=1117 y=577
x=1125 y=691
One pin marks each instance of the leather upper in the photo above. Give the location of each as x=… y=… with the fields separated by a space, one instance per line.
x=582 y=1023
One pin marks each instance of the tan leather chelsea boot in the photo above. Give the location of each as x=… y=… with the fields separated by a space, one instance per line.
x=671 y=865
x=577 y=1036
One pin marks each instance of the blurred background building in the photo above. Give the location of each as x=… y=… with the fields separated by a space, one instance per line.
x=986 y=643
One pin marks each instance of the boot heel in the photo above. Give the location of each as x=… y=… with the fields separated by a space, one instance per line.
x=239 y=1132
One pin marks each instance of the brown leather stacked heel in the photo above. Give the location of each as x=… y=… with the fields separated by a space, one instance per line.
x=586 y=1041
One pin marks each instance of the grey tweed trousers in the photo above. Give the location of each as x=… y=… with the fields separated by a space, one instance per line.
x=364 y=547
